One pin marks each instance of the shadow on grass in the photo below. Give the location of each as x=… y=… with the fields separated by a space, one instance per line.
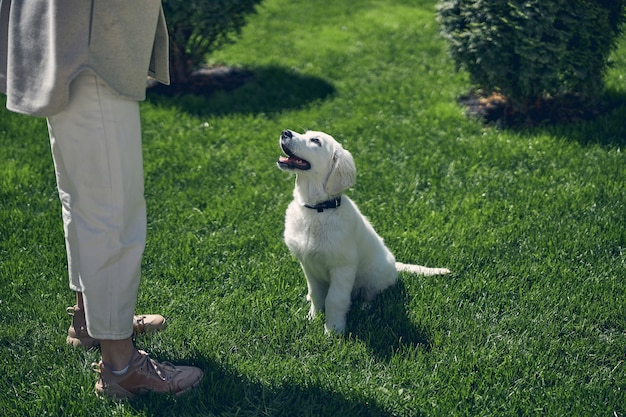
x=607 y=130
x=265 y=90
x=384 y=324
x=226 y=392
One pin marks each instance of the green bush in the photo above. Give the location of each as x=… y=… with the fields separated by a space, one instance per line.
x=531 y=49
x=197 y=27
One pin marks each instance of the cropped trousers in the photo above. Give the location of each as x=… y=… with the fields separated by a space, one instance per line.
x=96 y=148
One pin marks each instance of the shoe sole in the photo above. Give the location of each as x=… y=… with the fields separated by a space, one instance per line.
x=118 y=393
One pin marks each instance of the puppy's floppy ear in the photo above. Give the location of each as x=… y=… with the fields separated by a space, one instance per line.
x=342 y=173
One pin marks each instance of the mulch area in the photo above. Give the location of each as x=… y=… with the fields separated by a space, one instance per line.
x=495 y=108
x=206 y=81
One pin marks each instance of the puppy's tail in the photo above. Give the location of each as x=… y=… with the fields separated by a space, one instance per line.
x=421 y=270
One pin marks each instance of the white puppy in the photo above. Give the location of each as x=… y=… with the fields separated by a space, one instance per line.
x=340 y=253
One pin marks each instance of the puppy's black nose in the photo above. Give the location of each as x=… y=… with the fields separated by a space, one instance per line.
x=286 y=134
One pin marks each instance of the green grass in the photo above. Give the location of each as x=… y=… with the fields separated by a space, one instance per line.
x=532 y=321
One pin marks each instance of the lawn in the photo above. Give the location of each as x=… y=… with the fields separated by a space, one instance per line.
x=532 y=223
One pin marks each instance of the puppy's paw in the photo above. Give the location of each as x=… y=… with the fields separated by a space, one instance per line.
x=312 y=313
x=334 y=329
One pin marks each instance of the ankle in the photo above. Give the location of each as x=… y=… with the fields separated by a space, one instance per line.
x=117 y=354
x=80 y=303
x=78 y=317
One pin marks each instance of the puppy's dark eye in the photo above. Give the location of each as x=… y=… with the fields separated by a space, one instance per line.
x=316 y=141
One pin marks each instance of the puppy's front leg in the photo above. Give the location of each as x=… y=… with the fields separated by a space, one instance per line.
x=316 y=295
x=338 y=299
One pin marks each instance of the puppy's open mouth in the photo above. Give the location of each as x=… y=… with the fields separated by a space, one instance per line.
x=291 y=161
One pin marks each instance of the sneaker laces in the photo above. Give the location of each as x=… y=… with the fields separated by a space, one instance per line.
x=95 y=366
x=140 y=324
x=163 y=370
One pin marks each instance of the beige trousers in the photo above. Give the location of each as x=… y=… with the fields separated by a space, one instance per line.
x=96 y=147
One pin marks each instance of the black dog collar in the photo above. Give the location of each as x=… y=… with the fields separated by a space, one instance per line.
x=330 y=204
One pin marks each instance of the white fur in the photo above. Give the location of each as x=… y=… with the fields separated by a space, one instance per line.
x=340 y=253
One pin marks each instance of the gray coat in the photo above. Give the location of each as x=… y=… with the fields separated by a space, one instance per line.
x=51 y=41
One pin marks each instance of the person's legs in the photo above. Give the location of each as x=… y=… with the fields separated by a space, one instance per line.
x=96 y=147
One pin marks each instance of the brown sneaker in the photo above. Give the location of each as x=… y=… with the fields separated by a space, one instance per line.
x=144 y=375
x=78 y=336
x=148 y=323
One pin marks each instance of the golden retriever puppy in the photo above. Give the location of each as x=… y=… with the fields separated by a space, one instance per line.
x=340 y=253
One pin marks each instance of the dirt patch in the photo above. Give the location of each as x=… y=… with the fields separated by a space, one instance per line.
x=206 y=81
x=495 y=108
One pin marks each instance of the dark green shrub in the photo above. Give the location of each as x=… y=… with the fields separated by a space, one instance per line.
x=532 y=49
x=197 y=27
